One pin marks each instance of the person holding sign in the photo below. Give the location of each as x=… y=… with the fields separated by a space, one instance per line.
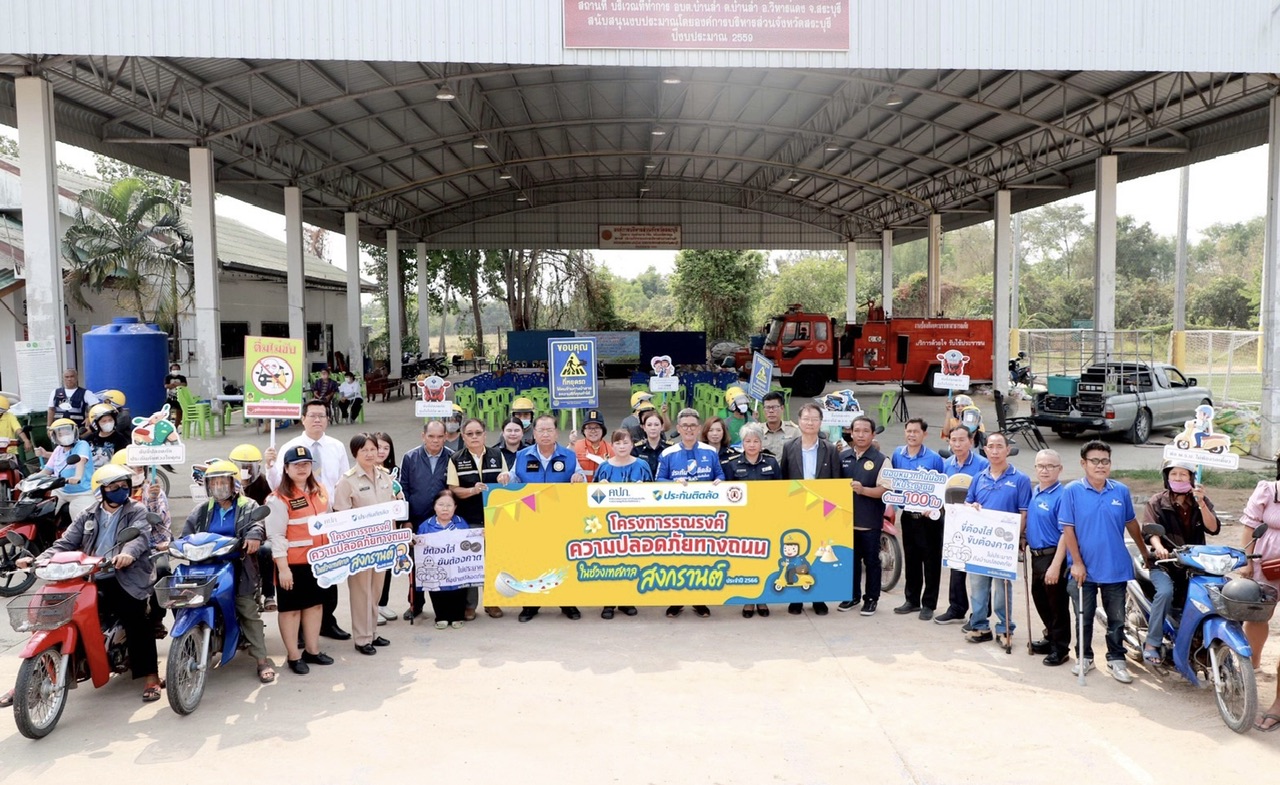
x=689 y=460
x=449 y=605
x=737 y=413
x=547 y=461
x=961 y=468
x=1094 y=514
x=921 y=535
x=470 y=473
x=862 y=464
x=998 y=487
x=623 y=466
x=1186 y=514
x=423 y=472
x=592 y=450
x=365 y=485
x=297 y=499
x=813 y=458
x=753 y=464
x=1043 y=536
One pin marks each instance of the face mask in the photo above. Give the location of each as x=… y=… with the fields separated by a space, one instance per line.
x=66 y=439
x=1178 y=486
x=220 y=492
x=116 y=496
x=525 y=424
x=453 y=427
x=106 y=426
x=742 y=407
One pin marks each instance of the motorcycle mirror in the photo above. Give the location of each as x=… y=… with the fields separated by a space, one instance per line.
x=1013 y=449
x=945 y=453
x=260 y=514
x=154 y=518
x=72 y=460
x=129 y=533
x=1152 y=530
x=1260 y=530
x=15 y=539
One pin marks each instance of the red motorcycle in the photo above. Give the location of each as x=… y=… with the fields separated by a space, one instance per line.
x=10 y=470
x=33 y=517
x=70 y=643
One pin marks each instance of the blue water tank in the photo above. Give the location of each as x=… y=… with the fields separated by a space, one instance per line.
x=131 y=357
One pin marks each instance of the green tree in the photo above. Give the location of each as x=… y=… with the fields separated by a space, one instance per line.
x=1222 y=302
x=1055 y=234
x=816 y=281
x=132 y=240
x=716 y=290
x=1141 y=253
x=112 y=171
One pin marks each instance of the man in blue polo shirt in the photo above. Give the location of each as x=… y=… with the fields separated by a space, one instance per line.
x=1043 y=536
x=689 y=460
x=961 y=467
x=921 y=535
x=1094 y=514
x=547 y=461
x=1004 y=488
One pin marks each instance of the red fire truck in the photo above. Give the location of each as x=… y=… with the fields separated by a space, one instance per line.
x=808 y=353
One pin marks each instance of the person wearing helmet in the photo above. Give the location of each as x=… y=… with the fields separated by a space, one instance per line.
x=641 y=401
x=11 y=428
x=150 y=495
x=70 y=401
x=453 y=429
x=522 y=411
x=122 y=595
x=737 y=413
x=1203 y=423
x=77 y=493
x=101 y=434
x=254 y=484
x=1186 y=514
x=227 y=513
x=592 y=450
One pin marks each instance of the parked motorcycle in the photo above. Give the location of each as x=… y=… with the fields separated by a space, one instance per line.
x=10 y=470
x=890 y=551
x=34 y=522
x=202 y=595
x=71 y=642
x=1205 y=642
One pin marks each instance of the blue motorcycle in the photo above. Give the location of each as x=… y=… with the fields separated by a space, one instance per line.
x=1203 y=636
x=202 y=595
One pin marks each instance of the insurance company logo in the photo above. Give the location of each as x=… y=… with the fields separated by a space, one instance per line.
x=668 y=495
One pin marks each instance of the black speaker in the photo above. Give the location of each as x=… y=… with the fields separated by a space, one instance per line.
x=904 y=345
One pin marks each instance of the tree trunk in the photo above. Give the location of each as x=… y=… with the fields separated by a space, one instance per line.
x=473 y=281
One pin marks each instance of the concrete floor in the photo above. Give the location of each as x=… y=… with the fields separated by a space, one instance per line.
x=648 y=699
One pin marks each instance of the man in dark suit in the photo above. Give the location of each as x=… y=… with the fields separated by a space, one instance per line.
x=810 y=457
x=424 y=472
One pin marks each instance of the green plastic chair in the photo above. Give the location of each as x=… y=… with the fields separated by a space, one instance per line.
x=786 y=399
x=196 y=416
x=887 y=399
x=466 y=398
x=504 y=396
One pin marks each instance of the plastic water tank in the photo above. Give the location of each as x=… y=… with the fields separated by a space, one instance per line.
x=129 y=356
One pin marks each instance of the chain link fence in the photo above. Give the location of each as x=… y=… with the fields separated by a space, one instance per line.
x=1069 y=352
x=1229 y=362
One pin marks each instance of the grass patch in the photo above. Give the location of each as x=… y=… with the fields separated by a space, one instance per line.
x=1212 y=478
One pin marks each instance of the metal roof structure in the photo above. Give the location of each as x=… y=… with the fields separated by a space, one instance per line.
x=540 y=155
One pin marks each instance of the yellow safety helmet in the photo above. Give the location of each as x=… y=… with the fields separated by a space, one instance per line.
x=108 y=474
x=114 y=397
x=121 y=457
x=100 y=410
x=522 y=404
x=732 y=394
x=245 y=453
x=457 y=410
x=221 y=468
x=4 y=404
x=638 y=397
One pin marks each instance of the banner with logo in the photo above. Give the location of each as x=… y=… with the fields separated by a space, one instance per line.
x=451 y=559
x=360 y=539
x=274 y=373
x=981 y=542
x=669 y=544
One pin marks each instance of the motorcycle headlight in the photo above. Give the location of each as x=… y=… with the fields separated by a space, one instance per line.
x=1217 y=563
x=63 y=572
x=197 y=552
x=226 y=549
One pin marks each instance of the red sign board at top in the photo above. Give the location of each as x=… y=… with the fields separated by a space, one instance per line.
x=706 y=24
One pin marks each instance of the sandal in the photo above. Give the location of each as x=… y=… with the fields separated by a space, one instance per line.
x=270 y=605
x=6 y=700
x=266 y=672
x=1151 y=655
x=1275 y=723
x=152 y=693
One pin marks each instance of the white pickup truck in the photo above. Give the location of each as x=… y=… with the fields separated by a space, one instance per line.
x=1122 y=397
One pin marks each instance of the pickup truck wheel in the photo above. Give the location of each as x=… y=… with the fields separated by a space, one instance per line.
x=806 y=383
x=1140 y=431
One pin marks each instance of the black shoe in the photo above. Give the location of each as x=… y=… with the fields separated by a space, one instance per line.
x=630 y=610
x=701 y=611
x=317 y=659
x=366 y=648
x=412 y=614
x=526 y=614
x=979 y=636
x=926 y=614
x=748 y=611
x=381 y=641
x=1055 y=659
x=298 y=666
x=1041 y=647
x=847 y=605
x=572 y=613
x=606 y=613
x=869 y=607
x=820 y=608
x=674 y=611
x=905 y=608
x=967 y=626
x=795 y=608
x=335 y=632
x=947 y=617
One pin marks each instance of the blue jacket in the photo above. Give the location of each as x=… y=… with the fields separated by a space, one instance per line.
x=431 y=525
x=561 y=467
x=420 y=484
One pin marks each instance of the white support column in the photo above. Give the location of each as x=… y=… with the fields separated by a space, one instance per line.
x=394 y=301
x=355 y=335
x=424 y=303
x=1104 y=252
x=934 y=283
x=886 y=271
x=1015 y=277
x=851 y=282
x=204 y=257
x=296 y=285
x=46 y=320
x=1270 y=317
x=1003 y=272
x=1180 y=259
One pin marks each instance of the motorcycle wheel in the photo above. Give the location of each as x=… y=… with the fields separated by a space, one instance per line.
x=184 y=680
x=1238 y=697
x=890 y=561
x=1135 y=627
x=12 y=582
x=37 y=703
x=442 y=370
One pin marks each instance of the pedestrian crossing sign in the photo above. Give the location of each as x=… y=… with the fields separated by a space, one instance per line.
x=572 y=377
x=573 y=366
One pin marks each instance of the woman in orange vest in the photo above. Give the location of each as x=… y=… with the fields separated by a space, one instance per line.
x=298 y=498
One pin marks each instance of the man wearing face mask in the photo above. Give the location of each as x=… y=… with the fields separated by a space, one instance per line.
x=227 y=513
x=77 y=492
x=101 y=434
x=253 y=483
x=453 y=429
x=737 y=413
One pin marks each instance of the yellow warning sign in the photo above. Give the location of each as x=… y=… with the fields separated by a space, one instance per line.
x=573 y=366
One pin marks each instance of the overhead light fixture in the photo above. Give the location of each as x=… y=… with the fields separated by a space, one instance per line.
x=658 y=131
x=644 y=188
x=650 y=165
x=522 y=198
x=480 y=144
x=894 y=99
x=671 y=80
x=793 y=177
x=445 y=94
x=504 y=176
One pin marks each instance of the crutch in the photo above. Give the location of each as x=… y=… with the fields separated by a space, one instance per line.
x=1080 y=635
x=1026 y=591
x=1008 y=614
